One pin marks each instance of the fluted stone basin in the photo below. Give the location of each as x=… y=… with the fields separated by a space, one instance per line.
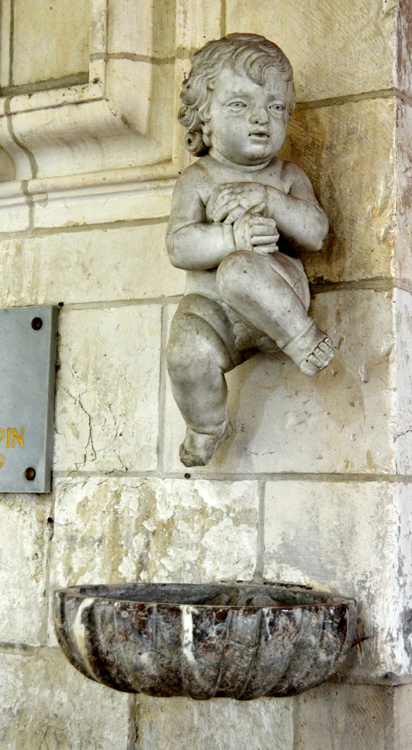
x=204 y=641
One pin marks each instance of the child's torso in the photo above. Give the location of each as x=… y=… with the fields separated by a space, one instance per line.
x=213 y=176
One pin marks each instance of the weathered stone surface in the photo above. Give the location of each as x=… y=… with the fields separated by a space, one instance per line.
x=349 y=153
x=347 y=51
x=335 y=422
x=402 y=418
x=107 y=389
x=339 y=717
x=109 y=530
x=97 y=265
x=51 y=40
x=100 y=205
x=189 y=725
x=126 y=529
x=147 y=28
x=14 y=211
x=45 y=703
x=402 y=263
x=197 y=23
x=402 y=717
x=23 y=557
x=404 y=42
x=354 y=538
x=146 y=99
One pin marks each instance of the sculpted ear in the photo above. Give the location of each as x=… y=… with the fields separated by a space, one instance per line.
x=207 y=134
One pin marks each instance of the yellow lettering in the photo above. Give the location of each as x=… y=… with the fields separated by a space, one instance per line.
x=8 y=437
x=16 y=435
x=2 y=434
x=1 y=460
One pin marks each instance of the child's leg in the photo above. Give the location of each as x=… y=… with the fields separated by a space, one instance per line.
x=264 y=291
x=197 y=359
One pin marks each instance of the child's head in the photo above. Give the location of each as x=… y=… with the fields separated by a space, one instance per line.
x=245 y=53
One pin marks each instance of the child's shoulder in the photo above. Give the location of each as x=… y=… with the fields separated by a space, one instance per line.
x=288 y=169
x=194 y=181
x=195 y=173
x=293 y=177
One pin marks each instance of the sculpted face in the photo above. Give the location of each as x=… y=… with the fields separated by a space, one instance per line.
x=248 y=120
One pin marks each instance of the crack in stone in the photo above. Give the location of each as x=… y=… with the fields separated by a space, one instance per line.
x=117 y=434
x=77 y=400
x=402 y=434
x=90 y=440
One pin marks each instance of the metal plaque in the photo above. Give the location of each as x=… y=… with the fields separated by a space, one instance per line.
x=27 y=377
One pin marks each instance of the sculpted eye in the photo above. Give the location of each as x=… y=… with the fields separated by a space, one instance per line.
x=237 y=105
x=277 y=107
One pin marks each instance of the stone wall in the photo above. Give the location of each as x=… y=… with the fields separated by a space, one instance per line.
x=314 y=486
x=43 y=44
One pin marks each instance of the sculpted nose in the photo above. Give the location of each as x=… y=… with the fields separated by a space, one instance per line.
x=259 y=116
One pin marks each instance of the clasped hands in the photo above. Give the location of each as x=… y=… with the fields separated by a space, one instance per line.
x=243 y=204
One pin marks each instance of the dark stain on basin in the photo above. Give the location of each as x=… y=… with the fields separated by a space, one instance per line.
x=204 y=641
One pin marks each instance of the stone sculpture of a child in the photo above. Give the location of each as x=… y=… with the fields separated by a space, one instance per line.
x=237 y=217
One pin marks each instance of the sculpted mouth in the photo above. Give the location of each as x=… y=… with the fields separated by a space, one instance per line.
x=261 y=134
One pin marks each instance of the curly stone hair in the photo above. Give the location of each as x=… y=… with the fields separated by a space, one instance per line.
x=249 y=53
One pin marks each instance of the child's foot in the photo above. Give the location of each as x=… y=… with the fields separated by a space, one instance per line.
x=312 y=350
x=198 y=448
x=319 y=358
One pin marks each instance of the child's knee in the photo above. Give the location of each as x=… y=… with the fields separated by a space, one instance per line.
x=193 y=348
x=233 y=274
x=236 y=274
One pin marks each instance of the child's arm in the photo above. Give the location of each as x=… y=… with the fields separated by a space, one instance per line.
x=297 y=213
x=195 y=244
x=191 y=242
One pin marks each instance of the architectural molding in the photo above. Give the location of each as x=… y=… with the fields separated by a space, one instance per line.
x=109 y=122
x=123 y=119
x=121 y=195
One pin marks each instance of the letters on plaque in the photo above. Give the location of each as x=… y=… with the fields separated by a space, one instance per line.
x=13 y=439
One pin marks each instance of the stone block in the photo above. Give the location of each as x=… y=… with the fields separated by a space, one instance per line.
x=146 y=29
x=351 y=538
x=349 y=153
x=5 y=40
x=346 y=717
x=90 y=206
x=107 y=389
x=14 y=211
x=402 y=412
x=402 y=717
x=94 y=266
x=51 y=40
x=404 y=42
x=358 y=717
x=109 y=530
x=348 y=51
x=197 y=23
x=46 y=703
x=402 y=262
x=23 y=559
x=339 y=421
x=144 y=94
x=214 y=724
